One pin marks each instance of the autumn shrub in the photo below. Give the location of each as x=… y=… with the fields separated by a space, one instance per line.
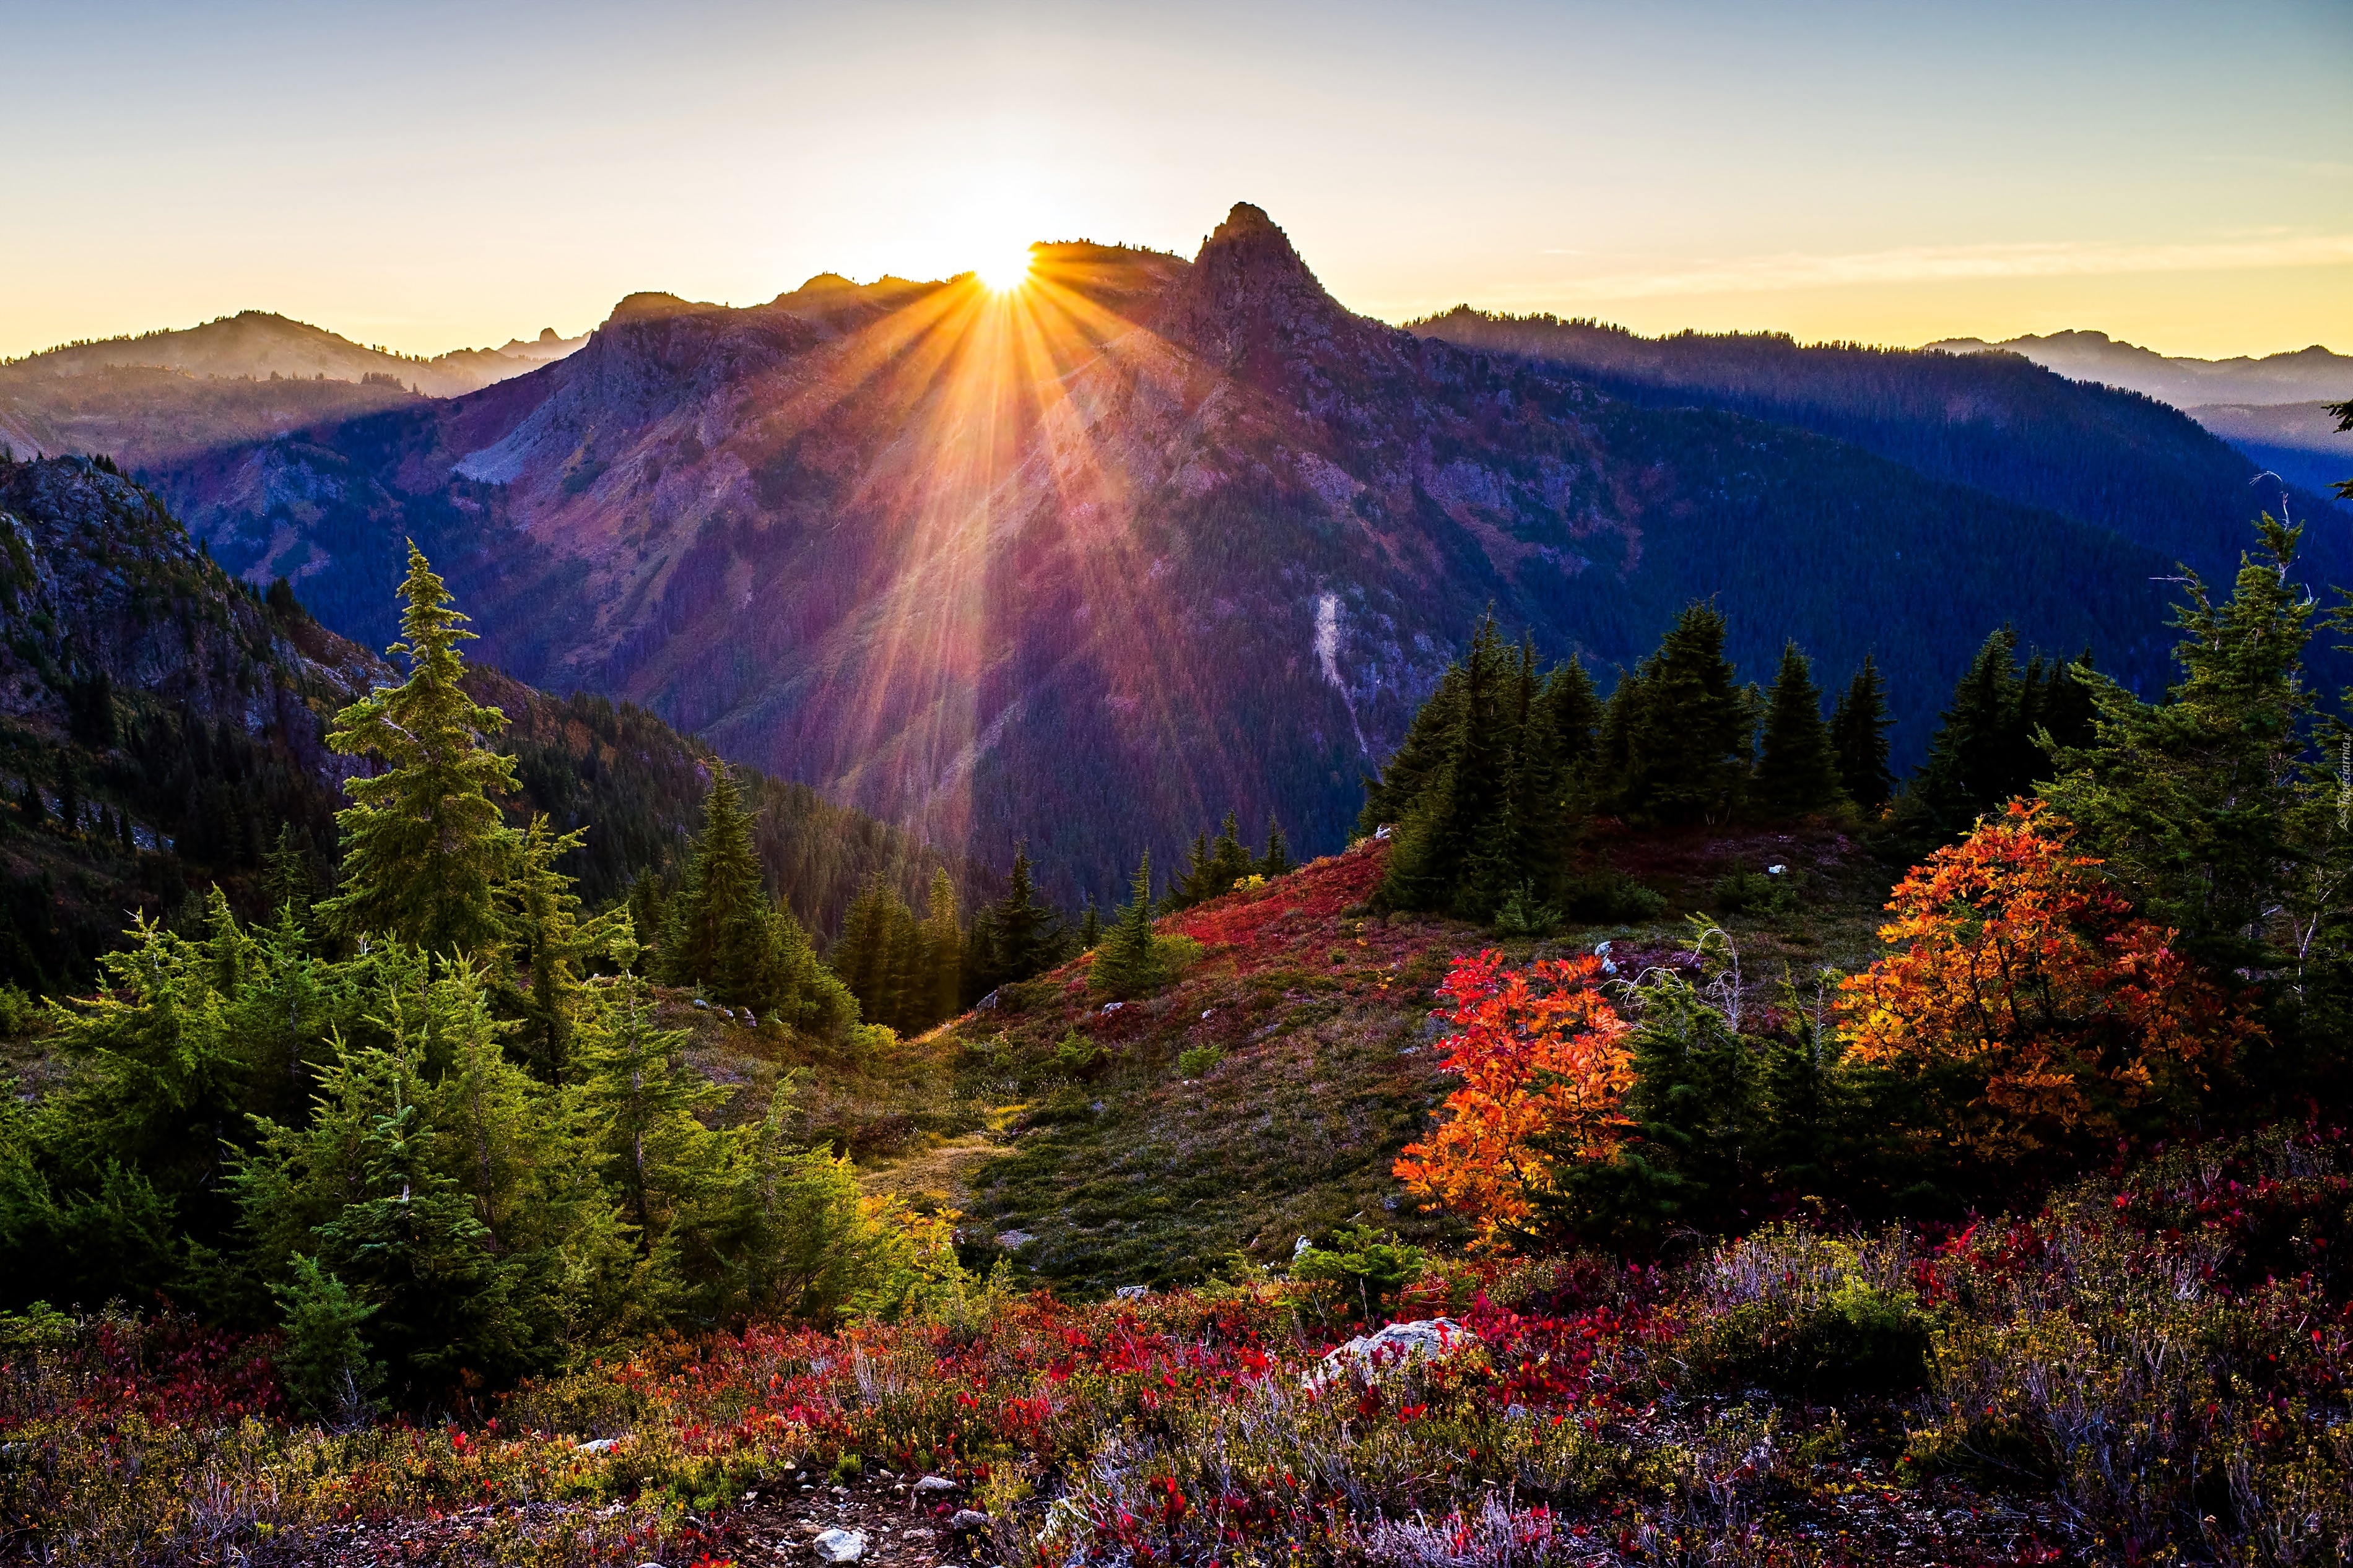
x=1543 y=1062
x=2035 y=1008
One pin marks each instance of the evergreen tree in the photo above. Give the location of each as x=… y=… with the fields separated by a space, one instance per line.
x=1988 y=748
x=1687 y=728
x=942 y=951
x=1420 y=757
x=654 y=1150
x=1126 y=964
x=1443 y=821
x=2197 y=804
x=719 y=936
x=881 y=955
x=286 y=873
x=1090 y=925
x=1859 y=738
x=1274 y=862
x=1572 y=713
x=1796 y=771
x=424 y=843
x=551 y=946
x=1022 y=935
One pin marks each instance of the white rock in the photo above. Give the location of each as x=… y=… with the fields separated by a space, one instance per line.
x=1400 y=1342
x=935 y=1484
x=1009 y=1239
x=595 y=1445
x=1133 y=1292
x=838 y=1545
x=968 y=1519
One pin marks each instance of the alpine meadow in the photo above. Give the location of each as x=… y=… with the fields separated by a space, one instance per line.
x=1622 y=838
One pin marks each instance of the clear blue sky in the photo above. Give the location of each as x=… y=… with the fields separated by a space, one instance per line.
x=427 y=174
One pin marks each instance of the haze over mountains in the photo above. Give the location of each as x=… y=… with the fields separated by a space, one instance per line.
x=1093 y=562
x=2273 y=408
x=158 y=397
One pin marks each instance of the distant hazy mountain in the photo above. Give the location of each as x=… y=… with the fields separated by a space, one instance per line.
x=262 y=345
x=2306 y=376
x=157 y=398
x=2271 y=408
x=1093 y=564
x=2298 y=441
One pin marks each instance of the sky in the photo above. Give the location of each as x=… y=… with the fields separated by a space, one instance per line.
x=427 y=175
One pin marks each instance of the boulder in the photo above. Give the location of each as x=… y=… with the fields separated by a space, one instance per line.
x=838 y=1545
x=1399 y=1344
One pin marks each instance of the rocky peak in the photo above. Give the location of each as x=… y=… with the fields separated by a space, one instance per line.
x=1249 y=291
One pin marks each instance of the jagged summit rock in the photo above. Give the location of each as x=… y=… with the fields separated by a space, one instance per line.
x=1248 y=289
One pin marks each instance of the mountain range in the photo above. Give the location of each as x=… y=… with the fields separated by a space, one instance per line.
x=2275 y=409
x=166 y=396
x=1090 y=562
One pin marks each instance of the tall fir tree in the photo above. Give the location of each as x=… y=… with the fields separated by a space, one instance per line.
x=1796 y=771
x=718 y=936
x=551 y=947
x=424 y=843
x=1859 y=738
x=942 y=951
x=1275 y=859
x=1126 y=964
x=1020 y=937
x=1688 y=728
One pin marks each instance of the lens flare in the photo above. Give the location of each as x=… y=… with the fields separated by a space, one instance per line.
x=1004 y=273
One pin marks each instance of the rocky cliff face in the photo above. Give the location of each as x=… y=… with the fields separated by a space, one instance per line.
x=101 y=581
x=1092 y=563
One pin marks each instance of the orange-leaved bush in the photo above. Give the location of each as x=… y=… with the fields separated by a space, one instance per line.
x=2028 y=997
x=1544 y=1064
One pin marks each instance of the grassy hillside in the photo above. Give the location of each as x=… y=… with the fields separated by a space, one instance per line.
x=1083 y=1141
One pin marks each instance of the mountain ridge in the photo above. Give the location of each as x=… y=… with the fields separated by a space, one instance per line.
x=1093 y=563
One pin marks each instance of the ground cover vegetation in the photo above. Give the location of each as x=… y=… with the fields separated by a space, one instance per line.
x=2006 y=1226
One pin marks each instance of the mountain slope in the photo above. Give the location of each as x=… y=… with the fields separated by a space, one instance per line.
x=2303 y=375
x=2117 y=460
x=2298 y=441
x=1092 y=563
x=159 y=723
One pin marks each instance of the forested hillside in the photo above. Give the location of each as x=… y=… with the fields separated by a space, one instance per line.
x=164 y=730
x=1996 y=422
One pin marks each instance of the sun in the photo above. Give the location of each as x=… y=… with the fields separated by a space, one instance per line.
x=1006 y=271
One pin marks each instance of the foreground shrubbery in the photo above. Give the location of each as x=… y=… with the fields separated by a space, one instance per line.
x=2155 y=1365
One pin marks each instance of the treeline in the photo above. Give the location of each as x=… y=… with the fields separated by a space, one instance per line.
x=1492 y=793
x=425 y=1121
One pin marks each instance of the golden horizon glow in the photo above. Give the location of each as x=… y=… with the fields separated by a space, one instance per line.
x=1006 y=272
